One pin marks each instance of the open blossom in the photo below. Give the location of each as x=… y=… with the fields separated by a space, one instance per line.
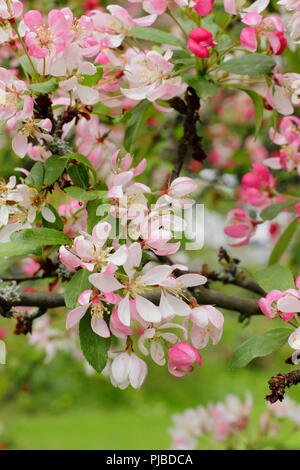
x=94 y=140
x=257 y=186
x=111 y=28
x=182 y=356
x=128 y=369
x=12 y=94
x=89 y=299
x=27 y=126
x=149 y=75
x=230 y=417
x=200 y=40
x=258 y=27
x=233 y=7
x=288 y=138
x=20 y=203
x=152 y=338
x=284 y=94
x=42 y=40
x=207 y=324
x=90 y=251
x=241 y=226
x=177 y=193
x=10 y=9
x=281 y=304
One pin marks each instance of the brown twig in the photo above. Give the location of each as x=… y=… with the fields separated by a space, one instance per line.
x=279 y=383
x=190 y=141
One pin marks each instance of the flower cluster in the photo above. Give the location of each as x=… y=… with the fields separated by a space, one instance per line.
x=227 y=421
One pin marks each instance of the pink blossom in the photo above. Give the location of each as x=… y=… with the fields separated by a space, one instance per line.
x=283 y=304
x=240 y=226
x=257 y=186
x=28 y=126
x=182 y=356
x=200 y=40
x=203 y=7
x=152 y=341
x=111 y=28
x=284 y=94
x=10 y=9
x=149 y=75
x=289 y=138
x=207 y=323
x=12 y=94
x=89 y=299
x=233 y=7
x=271 y=27
x=90 y=251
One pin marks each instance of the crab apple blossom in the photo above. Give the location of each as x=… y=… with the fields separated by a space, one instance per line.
x=90 y=251
x=89 y=299
x=200 y=40
x=284 y=93
x=288 y=137
x=182 y=356
x=207 y=323
x=257 y=186
x=149 y=76
x=240 y=226
x=10 y=9
x=283 y=304
x=270 y=27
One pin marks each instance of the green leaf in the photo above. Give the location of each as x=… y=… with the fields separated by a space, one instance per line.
x=36 y=175
x=90 y=80
x=283 y=242
x=79 y=175
x=203 y=87
x=92 y=218
x=134 y=125
x=258 y=104
x=41 y=237
x=54 y=166
x=273 y=210
x=75 y=286
x=82 y=195
x=16 y=249
x=44 y=87
x=275 y=277
x=259 y=346
x=26 y=65
x=249 y=64
x=78 y=157
x=155 y=35
x=93 y=346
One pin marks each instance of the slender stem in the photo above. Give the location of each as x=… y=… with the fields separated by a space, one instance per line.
x=177 y=22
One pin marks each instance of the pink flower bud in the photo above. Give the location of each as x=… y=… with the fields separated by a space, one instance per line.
x=181 y=358
x=199 y=42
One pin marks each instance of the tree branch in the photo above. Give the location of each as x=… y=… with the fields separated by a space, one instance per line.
x=247 y=307
x=279 y=383
x=190 y=139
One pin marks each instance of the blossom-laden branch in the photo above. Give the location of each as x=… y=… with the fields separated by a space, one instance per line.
x=247 y=307
x=279 y=383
